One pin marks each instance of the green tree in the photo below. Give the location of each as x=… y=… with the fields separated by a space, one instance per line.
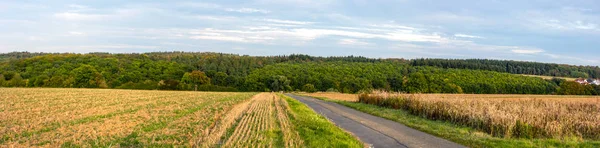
x=571 y=88
x=2 y=80
x=38 y=81
x=220 y=79
x=86 y=76
x=309 y=88
x=280 y=83
x=195 y=78
x=417 y=83
x=17 y=81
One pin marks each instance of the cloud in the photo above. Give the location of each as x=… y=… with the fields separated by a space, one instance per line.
x=467 y=36
x=248 y=10
x=451 y=17
x=527 y=51
x=213 y=17
x=36 y=38
x=290 y=22
x=353 y=42
x=74 y=16
x=585 y=61
x=565 y=19
x=393 y=26
x=222 y=38
x=76 y=6
x=199 y=5
x=75 y=33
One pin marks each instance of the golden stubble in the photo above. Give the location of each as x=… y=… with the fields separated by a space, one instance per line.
x=262 y=121
x=50 y=117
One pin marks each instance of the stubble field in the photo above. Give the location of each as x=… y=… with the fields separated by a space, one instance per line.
x=57 y=117
x=98 y=117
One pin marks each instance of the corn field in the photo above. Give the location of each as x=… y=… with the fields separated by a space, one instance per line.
x=509 y=116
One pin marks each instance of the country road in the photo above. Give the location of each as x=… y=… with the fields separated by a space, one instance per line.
x=375 y=131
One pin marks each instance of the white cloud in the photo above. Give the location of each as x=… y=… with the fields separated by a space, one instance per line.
x=527 y=51
x=75 y=33
x=199 y=5
x=74 y=16
x=353 y=42
x=566 y=19
x=451 y=17
x=288 y=22
x=221 y=38
x=36 y=38
x=76 y=6
x=583 y=61
x=393 y=26
x=213 y=18
x=248 y=10
x=468 y=36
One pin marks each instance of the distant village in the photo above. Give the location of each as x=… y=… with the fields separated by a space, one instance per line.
x=588 y=81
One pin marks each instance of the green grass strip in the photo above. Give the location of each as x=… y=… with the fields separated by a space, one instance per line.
x=315 y=130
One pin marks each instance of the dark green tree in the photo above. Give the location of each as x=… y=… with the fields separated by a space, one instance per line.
x=86 y=76
x=17 y=81
x=309 y=88
x=280 y=83
x=2 y=80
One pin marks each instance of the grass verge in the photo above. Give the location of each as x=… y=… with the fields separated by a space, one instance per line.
x=460 y=134
x=316 y=130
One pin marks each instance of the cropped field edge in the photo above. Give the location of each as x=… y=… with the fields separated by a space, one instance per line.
x=316 y=130
x=459 y=134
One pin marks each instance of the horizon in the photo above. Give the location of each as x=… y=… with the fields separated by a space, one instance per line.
x=559 y=32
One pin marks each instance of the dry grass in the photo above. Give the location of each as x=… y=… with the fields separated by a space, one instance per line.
x=264 y=124
x=334 y=96
x=97 y=117
x=522 y=116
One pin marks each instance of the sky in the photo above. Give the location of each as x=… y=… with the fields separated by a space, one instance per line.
x=553 y=31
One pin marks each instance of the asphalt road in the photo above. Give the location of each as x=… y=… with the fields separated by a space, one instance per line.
x=375 y=131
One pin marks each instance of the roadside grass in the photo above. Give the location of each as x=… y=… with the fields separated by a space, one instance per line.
x=316 y=130
x=460 y=134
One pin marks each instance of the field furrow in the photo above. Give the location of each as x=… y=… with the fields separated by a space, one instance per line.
x=264 y=124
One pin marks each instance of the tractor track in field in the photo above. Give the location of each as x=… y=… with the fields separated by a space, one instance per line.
x=374 y=131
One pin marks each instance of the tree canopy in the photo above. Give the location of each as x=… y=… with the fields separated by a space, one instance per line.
x=230 y=72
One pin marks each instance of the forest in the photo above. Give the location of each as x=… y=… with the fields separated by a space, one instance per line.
x=231 y=72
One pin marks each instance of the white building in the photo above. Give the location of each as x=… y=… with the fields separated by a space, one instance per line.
x=596 y=82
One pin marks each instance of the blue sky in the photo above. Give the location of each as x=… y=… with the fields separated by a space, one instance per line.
x=556 y=31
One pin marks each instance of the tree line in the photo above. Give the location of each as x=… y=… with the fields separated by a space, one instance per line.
x=514 y=67
x=230 y=72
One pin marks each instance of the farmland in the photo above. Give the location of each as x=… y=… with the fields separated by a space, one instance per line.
x=490 y=120
x=55 y=117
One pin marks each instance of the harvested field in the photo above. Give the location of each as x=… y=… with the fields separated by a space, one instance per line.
x=263 y=123
x=102 y=118
x=508 y=116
